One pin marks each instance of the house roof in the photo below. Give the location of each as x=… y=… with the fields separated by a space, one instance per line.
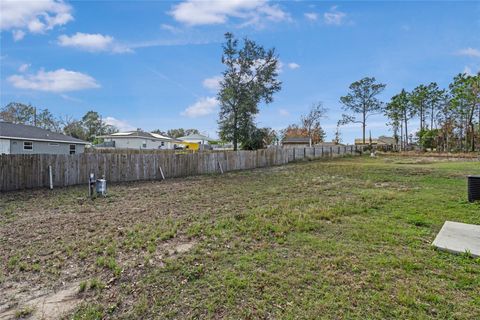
x=380 y=140
x=196 y=137
x=21 y=131
x=137 y=134
x=329 y=144
x=296 y=140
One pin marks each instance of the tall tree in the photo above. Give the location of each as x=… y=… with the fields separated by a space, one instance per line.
x=434 y=101
x=311 y=120
x=362 y=102
x=16 y=112
x=95 y=126
x=465 y=90
x=419 y=99
x=399 y=110
x=46 y=120
x=181 y=132
x=338 y=135
x=74 y=128
x=250 y=77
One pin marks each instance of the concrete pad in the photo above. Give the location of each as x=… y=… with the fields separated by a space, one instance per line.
x=459 y=237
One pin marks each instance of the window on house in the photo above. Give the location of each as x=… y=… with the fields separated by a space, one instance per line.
x=144 y=145
x=162 y=143
x=73 y=149
x=27 y=145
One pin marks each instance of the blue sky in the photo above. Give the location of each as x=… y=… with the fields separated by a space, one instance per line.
x=154 y=64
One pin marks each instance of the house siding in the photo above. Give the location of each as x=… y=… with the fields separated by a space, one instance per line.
x=44 y=147
x=137 y=143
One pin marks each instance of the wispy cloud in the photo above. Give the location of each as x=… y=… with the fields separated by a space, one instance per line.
x=469 y=52
x=121 y=125
x=170 y=28
x=202 y=107
x=293 y=65
x=334 y=17
x=251 y=12
x=311 y=16
x=58 y=81
x=92 y=42
x=175 y=83
x=23 y=67
x=283 y=112
x=212 y=83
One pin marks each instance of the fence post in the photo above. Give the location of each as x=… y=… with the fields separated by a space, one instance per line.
x=161 y=172
x=50 y=177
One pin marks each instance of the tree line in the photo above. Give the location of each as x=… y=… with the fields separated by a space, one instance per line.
x=449 y=118
x=87 y=128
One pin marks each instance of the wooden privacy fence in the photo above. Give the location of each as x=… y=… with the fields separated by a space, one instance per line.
x=32 y=171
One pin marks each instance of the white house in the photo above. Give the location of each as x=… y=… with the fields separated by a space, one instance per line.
x=196 y=138
x=137 y=140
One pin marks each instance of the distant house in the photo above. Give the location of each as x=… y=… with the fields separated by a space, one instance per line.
x=296 y=142
x=137 y=140
x=196 y=141
x=196 y=138
x=24 y=139
x=328 y=144
x=380 y=141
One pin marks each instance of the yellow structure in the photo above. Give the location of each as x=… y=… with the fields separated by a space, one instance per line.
x=190 y=145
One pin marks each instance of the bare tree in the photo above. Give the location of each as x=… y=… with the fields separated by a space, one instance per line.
x=311 y=121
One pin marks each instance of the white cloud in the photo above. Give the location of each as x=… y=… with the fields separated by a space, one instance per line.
x=121 y=125
x=293 y=65
x=170 y=28
x=92 y=42
x=18 y=35
x=469 y=52
x=311 y=16
x=212 y=83
x=334 y=17
x=204 y=106
x=253 y=12
x=60 y=80
x=467 y=70
x=23 y=67
x=284 y=112
x=33 y=16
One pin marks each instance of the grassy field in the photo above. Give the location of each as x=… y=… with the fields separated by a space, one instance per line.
x=340 y=239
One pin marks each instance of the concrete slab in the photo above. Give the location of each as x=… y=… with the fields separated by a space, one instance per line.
x=459 y=237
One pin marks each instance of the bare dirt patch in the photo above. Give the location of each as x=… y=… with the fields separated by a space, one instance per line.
x=42 y=304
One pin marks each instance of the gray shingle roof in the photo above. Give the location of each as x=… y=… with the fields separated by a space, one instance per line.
x=296 y=140
x=21 y=131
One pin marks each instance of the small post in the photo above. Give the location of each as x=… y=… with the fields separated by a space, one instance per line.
x=331 y=152
x=220 y=165
x=50 y=176
x=161 y=172
x=91 y=185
